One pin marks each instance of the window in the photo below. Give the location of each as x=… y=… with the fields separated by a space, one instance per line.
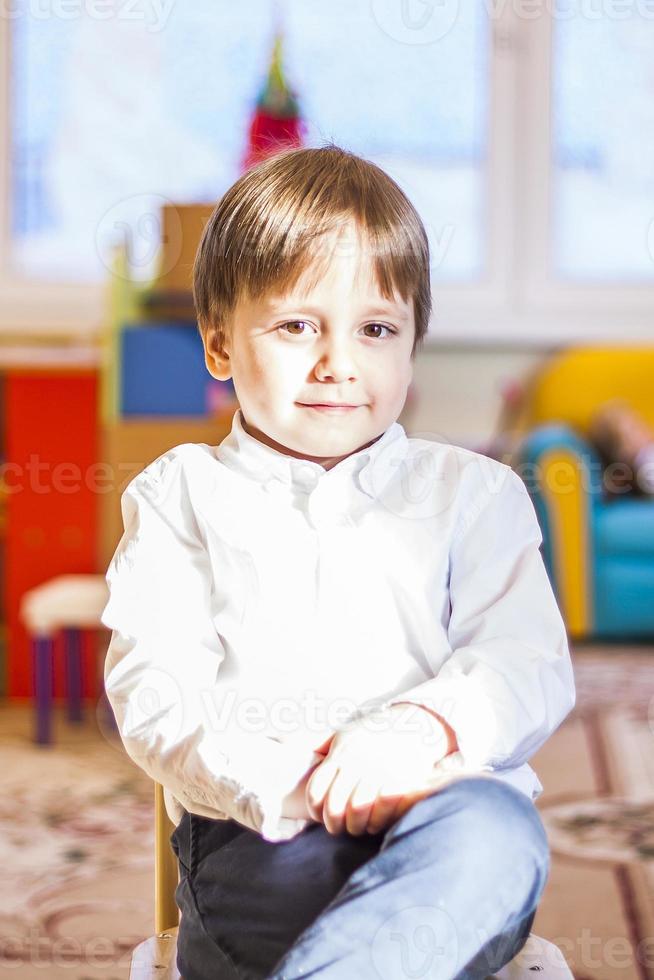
x=603 y=147
x=98 y=141
x=522 y=132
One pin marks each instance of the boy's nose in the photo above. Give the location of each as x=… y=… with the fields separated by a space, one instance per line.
x=336 y=362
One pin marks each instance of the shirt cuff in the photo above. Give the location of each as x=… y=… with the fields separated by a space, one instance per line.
x=260 y=776
x=467 y=710
x=265 y=817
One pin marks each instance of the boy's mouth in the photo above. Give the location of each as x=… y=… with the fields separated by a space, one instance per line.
x=324 y=407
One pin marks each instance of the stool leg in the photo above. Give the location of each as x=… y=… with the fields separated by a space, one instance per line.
x=73 y=650
x=105 y=713
x=108 y=717
x=42 y=656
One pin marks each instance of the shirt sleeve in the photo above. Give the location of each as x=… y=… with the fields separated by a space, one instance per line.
x=508 y=683
x=165 y=675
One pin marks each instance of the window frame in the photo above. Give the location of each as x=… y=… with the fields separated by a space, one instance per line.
x=517 y=301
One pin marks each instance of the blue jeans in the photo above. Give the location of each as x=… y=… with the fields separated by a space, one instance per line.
x=450 y=890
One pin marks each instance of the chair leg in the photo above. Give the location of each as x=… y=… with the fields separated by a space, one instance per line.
x=166 y=868
x=42 y=657
x=73 y=653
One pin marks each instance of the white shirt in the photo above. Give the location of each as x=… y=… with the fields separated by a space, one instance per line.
x=259 y=601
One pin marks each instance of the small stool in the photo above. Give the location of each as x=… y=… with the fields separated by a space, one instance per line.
x=69 y=603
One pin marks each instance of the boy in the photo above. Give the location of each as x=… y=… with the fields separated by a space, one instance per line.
x=335 y=646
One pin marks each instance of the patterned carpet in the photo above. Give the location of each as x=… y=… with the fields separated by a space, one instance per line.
x=77 y=837
x=76 y=850
x=598 y=808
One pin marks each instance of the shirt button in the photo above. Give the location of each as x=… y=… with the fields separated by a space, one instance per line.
x=306 y=477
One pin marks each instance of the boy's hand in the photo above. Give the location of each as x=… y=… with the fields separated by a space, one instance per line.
x=377 y=768
x=294 y=803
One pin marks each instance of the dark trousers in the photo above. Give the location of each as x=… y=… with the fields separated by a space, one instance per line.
x=450 y=890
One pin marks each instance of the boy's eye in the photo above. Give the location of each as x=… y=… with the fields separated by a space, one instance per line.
x=293 y=323
x=296 y=323
x=382 y=326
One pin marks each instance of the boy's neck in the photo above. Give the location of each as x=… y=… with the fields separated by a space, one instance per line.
x=327 y=462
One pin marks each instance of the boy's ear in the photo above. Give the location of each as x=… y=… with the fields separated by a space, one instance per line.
x=217 y=360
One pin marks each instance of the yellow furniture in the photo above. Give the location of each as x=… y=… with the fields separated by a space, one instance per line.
x=575 y=382
x=599 y=552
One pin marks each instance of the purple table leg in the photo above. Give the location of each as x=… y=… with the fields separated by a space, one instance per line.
x=104 y=712
x=73 y=651
x=42 y=656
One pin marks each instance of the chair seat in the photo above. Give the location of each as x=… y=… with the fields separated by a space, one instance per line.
x=626 y=527
x=156 y=957
x=65 y=601
x=537 y=958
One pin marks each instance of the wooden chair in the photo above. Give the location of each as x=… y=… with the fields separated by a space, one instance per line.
x=155 y=958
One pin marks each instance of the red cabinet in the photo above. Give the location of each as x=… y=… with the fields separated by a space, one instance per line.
x=52 y=485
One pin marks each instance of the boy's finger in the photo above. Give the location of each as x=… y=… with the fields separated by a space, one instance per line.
x=405 y=803
x=360 y=805
x=325 y=745
x=336 y=800
x=382 y=812
x=317 y=786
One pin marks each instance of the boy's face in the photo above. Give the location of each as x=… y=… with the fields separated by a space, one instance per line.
x=340 y=342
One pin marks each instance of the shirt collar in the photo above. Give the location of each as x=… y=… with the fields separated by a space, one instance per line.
x=371 y=467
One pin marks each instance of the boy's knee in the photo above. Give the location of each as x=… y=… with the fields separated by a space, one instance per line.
x=490 y=811
x=504 y=815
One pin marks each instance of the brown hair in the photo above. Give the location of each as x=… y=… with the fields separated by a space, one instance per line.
x=266 y=230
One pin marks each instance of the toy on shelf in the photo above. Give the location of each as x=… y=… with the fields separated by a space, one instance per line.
x=276 y=122
x=154 y=366
x=170 y=295
x=163 y=372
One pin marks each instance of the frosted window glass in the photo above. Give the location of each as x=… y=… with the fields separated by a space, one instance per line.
x=603 y=152
x=110 y=116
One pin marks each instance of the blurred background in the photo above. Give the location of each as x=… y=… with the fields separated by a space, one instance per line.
x=523 y=131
